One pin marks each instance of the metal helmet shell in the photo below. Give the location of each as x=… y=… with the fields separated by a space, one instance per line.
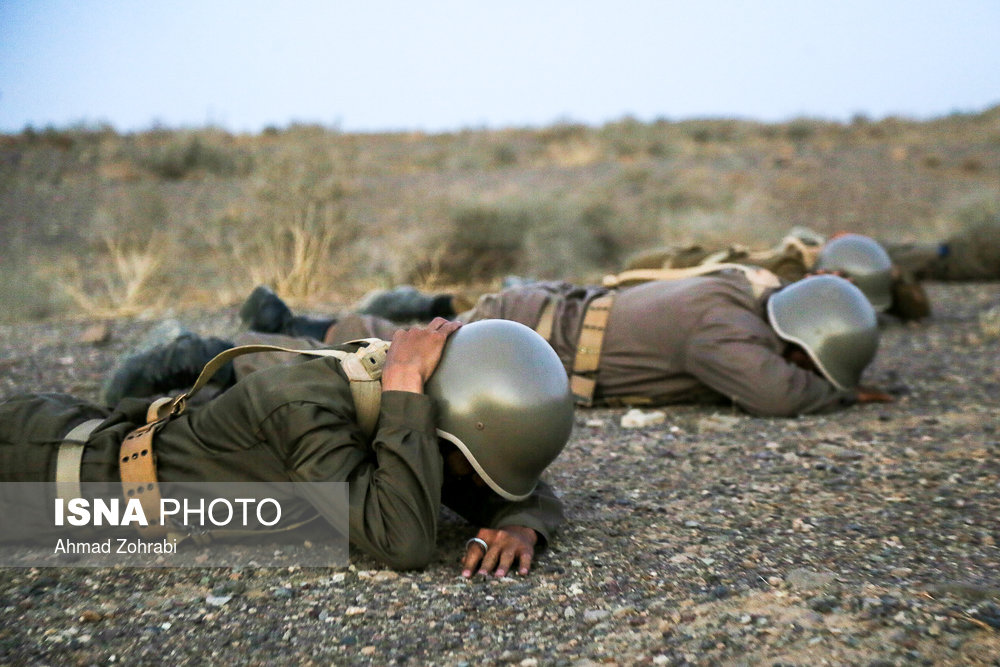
x=865 y=262
x=503 y=399
x=832 y=320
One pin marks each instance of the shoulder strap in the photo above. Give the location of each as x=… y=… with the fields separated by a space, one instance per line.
x=760 y=279
x=805 y=249
x=137 y=460
x=362 y=367
x=69 y=458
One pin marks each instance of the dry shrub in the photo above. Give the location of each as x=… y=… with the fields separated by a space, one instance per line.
x=122 y=271
x=192 y=154
x=297 y=237
x=125 y=284
x=571 y=238
x=480 y=243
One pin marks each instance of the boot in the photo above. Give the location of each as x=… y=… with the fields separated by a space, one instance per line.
x=265 y=312
x=167 y=368
x=405 y=303
x=304 y=326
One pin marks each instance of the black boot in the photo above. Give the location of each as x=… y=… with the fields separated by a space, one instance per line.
x=167 y=368
x=265 y=312
x=303 y=326
x=405 y=303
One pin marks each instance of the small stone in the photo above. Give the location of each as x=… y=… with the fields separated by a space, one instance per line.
x=720 y=592
x=824 y=604
x=96 y=334
x=90 y=616
x=218 y=600
x=636 y=418
x=569 y=612
x=368 y=650
x=717 y=423
x=803 y=579
x=595 y=615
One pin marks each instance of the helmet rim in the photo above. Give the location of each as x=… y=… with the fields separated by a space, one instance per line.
x=485 y=476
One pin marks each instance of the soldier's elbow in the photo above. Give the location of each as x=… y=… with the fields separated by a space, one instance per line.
x=772 y=410
x=411 y=557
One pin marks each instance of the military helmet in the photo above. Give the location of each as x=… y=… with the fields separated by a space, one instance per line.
x=865 y=262
x=832 y=320
x=503 y=399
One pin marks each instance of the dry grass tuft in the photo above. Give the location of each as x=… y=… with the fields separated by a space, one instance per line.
x=125 y=286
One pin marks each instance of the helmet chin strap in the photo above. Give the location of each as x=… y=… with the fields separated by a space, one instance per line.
x=455 y=440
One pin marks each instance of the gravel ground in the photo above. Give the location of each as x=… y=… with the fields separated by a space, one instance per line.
x=866 y=537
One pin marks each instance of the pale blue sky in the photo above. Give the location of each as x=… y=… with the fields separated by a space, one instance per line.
x=444 y=65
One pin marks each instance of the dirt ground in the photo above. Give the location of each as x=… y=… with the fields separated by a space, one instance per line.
x=864 y=537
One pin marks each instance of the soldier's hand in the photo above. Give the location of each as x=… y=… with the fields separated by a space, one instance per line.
x=414 y=354
x=506 y=545
x=871 y=395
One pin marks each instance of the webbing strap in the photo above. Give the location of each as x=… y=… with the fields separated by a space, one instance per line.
x=137 y=467
x=808 y=251
x=545 y=322
x=137 y=460
x=582 y=381
x=70 y=456
x=362 y=367
x=760 y=279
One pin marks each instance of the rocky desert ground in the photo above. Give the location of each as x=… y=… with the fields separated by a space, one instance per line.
x=863 y=537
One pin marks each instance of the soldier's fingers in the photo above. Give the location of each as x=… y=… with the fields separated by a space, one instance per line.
x=489 y=561
x=442 y=325
x=525 y=561
x=474 y=553
x=507 y=557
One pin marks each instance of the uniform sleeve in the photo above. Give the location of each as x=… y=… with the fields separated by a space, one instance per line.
x=542 y=511
x=394 y=482
x=738 y=359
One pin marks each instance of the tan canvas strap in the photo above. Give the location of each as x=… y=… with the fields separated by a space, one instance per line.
x=583 y=380
x=362 y=367
x=760 y=279
x=137 y=459
x=137 y=467
x=808 y=251
x=70 y=456
x=545 y=322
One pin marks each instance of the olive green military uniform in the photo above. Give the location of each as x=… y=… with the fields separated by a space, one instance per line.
x=289 y=423
x=692 y=340
x=972 y=253
x=791 y=260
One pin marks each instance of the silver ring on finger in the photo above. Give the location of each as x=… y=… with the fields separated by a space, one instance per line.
x=476 y=540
